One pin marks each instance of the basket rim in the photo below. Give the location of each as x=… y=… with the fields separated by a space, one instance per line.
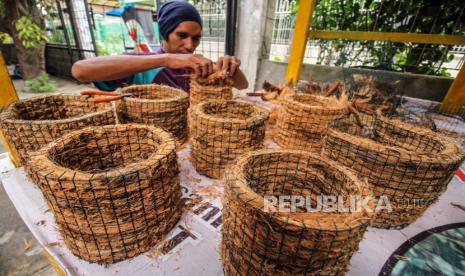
x=452 y=152
x=210 y=87
x=179 y=93
x=259 y=115
x=209 y=81
x=5 y=116
x=236 y=181
x=41 y=159
x=290 y=101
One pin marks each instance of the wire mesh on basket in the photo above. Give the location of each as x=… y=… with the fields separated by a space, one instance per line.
x=32 y=123
x=303 y=118
x=409 y=165
x=368 y=92
x=381 y=92
x=257 y=241
x=221 y=131
x=428 y=114
x=450 y=125
x=157 y=105
x=114 y=190
x=216 y=86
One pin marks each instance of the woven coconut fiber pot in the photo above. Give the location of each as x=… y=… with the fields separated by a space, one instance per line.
x=259 y=241
x=408 y=165
x=114 y=190
x=217 y=86
x=32 y=123
x=157 y=105
x=303 y=119
x=221 y=131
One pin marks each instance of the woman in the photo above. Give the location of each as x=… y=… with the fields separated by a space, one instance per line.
x=180 y=26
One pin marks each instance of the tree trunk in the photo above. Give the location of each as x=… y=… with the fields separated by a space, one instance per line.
x=28 y=59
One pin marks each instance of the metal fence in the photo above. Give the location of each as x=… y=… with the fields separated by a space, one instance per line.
x=214 y=17
x=284 y=22
x=70 y=37
x=213 y=14
x=58 y=60
x=375 y=15
x=67 y=45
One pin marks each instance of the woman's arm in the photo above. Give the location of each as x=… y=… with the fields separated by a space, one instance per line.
x=240 y=81
x=123 y=66
x=231 y=64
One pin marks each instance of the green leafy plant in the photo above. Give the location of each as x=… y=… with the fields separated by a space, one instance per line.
x=101 y=49
x=24 y=21
x=422 y=16
x=112 y=43
x=48 y=8
x=30 y=33
x=294 y=8
x=41 y=84
x=5 y=38
x=56 y=36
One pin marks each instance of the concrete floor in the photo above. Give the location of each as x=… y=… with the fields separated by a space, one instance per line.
x=20 y=254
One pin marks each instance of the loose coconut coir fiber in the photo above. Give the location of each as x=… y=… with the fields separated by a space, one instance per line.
x=217 y=86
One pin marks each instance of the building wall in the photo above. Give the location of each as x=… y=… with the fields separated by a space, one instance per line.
x=251 y=19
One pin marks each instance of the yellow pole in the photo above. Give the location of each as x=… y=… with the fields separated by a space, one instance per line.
x=299 y=41
x=455 y=98
x=7 y=96
x=394 y=37
x=8 y=92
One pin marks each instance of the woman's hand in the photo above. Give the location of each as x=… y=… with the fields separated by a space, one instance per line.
x=228 y=64
x=201 y=65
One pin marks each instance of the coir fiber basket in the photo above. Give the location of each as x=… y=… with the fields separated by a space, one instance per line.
x=303 y=119
x=221 y=131
x=260 y=241
x=157 y=105
x=217 y=86
x=31 y=124
x=114 y=190
x=408 y=165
